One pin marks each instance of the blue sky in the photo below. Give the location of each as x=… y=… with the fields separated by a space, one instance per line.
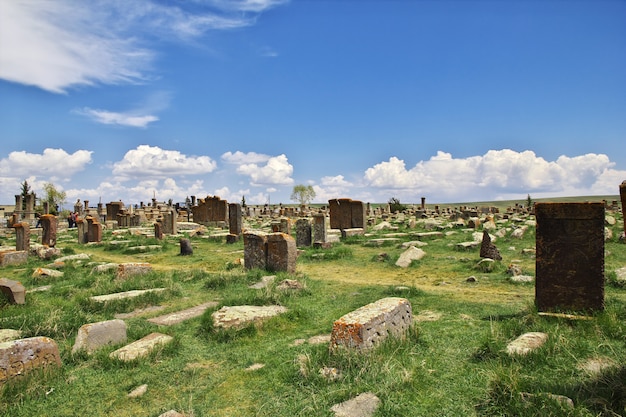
x=455 y=101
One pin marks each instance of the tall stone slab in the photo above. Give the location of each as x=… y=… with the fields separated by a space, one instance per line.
x=281 y=252
x=320 y=224
x=570 y=256
x=49 y=224
x=358 y=215
x=622 y=194
x=303 y=233
x=254 y=250
x=82 y=227
x=94 y=229
x=22 y=236
x=113 y=208
x=234 y=219
x=20 y=357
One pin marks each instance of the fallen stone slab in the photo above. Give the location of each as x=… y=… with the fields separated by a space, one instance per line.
x=13 y=257
x=13 y=290
x=46 y=272
x=237 y=317
x=410 y=255
x=522 y=278
x=138 y=312
x=105 y=268
x=467 y=245
x=20 y=357
x=180 y=316
x=365 y=327
x=76 y=257
x=45 y=252
x=122 y=295
x=265 y=281
x=141 y=348
x=382 y=241
x=363 y=405
x=9 y=334
x=130 y=269
x=526 y=343
x=93 y=336
x=416 y=243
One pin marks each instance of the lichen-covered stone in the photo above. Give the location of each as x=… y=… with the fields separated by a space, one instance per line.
x=22 y=356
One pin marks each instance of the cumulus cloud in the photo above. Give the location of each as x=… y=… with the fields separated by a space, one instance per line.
x=57 y=45
x=276 y=171
x=496 y=173
x=239 y=158
x=52 y=163
x=113 y=118
x=152 y=161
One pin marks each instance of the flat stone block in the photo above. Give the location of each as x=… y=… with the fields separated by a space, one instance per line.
x=22 y=356
x=9 y=334
x=526 y=343
x=365 y=327
x=180 y=316
x=122 y=295
x=13 y=257
x=93 y=336
x=141 y=347
x=240 y=316
x=14 y=291
x=127 y=270
x=356 y=231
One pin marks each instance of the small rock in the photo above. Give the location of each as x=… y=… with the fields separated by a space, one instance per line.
x=363 y=405
x=255 y=367
x=526 y=343
x=138 y=392
x=330 y=374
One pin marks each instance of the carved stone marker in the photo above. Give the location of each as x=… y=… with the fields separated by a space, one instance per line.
x=570 y=256
x=13 y=257
x=254 y=250
x=622 y=194
x=49 y=234
x=93 y=336
x=365 y=327
x=22 y=236
x=281 y=252
x=22 y=356
x=303 y=233
x=14 y=291
x=129 y=269
x=320 y=224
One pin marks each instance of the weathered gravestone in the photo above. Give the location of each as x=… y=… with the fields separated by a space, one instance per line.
x=49 y=225
x=234 y=222
x=347 y=214
x=303 y=233
x=185 y=247
x=22 y=236
x=488 y=249
x=570 y=256
x=622 y=194
x=13 y=257
x=281 y=252
x=254 y=250
x=365 y=327
x=320 y=224
x=94 y=229
x=23 y=356
x=82 y=227
x=141 y=348
x=13 y=290
x=93 y=336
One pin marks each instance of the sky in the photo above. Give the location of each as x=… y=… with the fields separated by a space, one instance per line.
x=454 y=101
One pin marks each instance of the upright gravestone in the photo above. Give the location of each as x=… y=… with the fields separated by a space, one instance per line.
x=254 y=250
x=234 y=222
x=570 y=256
x=303 y=233
x=94 y=230
x=22 y=236
x=49 y=225
x=81 y=226
x=622 y=194
x=281 y=252
x=320 y=223
x=158 y=230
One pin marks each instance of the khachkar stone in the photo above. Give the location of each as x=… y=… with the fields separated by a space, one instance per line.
x=234 y=222
x=622 y=194
x=82 y=227
x=13 y=290
x=94 y=230
x=170 y=225
x=365 y=327
x=22 y=356
x=22 y=236
x=113 y=209
x=13 y=257
x=303 y=233
x=488 y=249
x=347 y=214
x=254 y=250
x=49 y=225
x=281 y=252
x=158 y=230
x=358 y=215
x=320 y=224
x=570 y=256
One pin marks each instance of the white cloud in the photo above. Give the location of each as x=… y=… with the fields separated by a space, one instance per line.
x=492 y=175
x=61 y=44
x=154 y=162
x=113 y=118
x=277 y=171
x=239 y=158
x=52 y=163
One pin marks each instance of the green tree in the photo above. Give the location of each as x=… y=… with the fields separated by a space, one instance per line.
x=529 y=202
x=395 y=206
x=243 y=201
x=303 y=194
x=54 y=197
x=25 y=191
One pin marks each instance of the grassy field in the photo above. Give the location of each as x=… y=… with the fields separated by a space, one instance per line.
x=452 y=362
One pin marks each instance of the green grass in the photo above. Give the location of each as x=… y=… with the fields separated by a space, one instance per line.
x=456 y=365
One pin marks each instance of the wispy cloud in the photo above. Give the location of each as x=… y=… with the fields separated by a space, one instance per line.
x=58 y=45
x=113 y=118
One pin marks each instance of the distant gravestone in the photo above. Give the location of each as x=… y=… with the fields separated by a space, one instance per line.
x=570 y=256
x=488 y=249
x=49 y=234
x=22 y=236
x=254 y=250
x=320 y=224
x=185 y=247
x=234 y=219
x=303 y=233
x=622 y=194
x=22 y=356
